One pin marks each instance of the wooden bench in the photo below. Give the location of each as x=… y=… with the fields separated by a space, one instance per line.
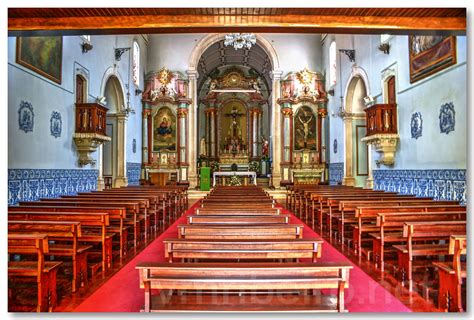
x=390 y=226
x=275 y=231
x=244 y=276
x=116 y=214
x=242 y=249
x=67 y=233
x=43 y=272
x=226 y=211
x=239 y=219
x=366 y=218
x=96 y=235
x=416 y=232
x=451 y=275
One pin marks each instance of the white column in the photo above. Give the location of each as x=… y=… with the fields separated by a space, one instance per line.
x=369 y=183
x=212 y=115
x=254 y=133
x=276 y=128
x=192 y=136
x=121 y=179
x=100 y=178
x=259 y=133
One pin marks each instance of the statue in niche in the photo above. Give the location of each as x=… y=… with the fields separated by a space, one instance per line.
x=234 y=142
x=202 y=147
x=305 y=126
x=265 y=145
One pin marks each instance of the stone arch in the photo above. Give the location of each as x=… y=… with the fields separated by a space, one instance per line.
x=356 y=73
x=210 y=39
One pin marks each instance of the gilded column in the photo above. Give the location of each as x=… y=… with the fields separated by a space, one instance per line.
x=145 y=136
x=255 y=129
x=348 y=179
x=287 y=143
x=212 y=113
x=259 y=133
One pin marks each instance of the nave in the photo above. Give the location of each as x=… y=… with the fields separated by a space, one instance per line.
x=368 y=288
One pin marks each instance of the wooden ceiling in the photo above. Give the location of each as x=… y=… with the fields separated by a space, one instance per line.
x=30 y=21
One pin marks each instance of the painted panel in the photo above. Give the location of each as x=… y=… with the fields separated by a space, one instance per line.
x=164 y=130
x=336 y=173
x=305 y=129
x=133 y=173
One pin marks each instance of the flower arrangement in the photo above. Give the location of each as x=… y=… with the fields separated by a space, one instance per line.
x=214 y=166
x=235 y=181
x=254 y=166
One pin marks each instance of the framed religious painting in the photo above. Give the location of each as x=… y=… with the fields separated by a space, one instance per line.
x=43 y=55
x=164 y=130
x=430 y=54
x=305 y=129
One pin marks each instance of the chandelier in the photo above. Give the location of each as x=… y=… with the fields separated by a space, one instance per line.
x=240 y=40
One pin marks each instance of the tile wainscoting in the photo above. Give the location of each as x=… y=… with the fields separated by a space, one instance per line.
x=336 y=173
x=440 y=184
x=33 y=184
x=133 y=173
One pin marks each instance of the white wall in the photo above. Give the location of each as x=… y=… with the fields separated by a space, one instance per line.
x=40 y=150
x=434 y=150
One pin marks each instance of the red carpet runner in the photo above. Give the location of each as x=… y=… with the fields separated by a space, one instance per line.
x=122 y=293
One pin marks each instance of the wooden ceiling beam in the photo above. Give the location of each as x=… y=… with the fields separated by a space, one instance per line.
x=222 y=23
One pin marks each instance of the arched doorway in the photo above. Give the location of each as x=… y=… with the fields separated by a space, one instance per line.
x=241 y=58
x=356 y=151
x=113 y=152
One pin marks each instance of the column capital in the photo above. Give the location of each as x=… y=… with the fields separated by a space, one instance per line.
x=276 y=74
x=192 y=74
x=287 y=111
x=211 y=110
x=182 y=112
x=146 y=113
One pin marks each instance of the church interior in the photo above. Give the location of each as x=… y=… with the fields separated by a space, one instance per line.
x=237 y=160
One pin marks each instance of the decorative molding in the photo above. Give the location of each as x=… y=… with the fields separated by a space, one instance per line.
x=416 y=125
x=86 y=143
x=336 y=173
x=33 y=184
x=56 y=124
x=441 y=184
x=447 y=119
x=133 y=173
x=26 y=116
x=385 y=144
x=119 y=52
x=350 y=53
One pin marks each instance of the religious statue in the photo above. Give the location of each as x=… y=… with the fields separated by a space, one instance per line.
x=306 y=131
x=203 y=146
x=265 y=145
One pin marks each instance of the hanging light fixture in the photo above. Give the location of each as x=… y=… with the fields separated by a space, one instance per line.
x=240 y=40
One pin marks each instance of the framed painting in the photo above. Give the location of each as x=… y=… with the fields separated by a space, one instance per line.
x=164 y=130
x=305 y=129
x=42 y=55
x=430 y=54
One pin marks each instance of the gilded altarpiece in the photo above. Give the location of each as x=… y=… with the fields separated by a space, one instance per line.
x=165 y=125
x=305 y=130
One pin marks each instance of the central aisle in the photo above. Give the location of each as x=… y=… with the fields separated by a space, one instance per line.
x=122 y=293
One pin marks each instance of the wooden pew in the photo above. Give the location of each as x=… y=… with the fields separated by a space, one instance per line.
x=244 y=276
x=116 y=214
x=367 y=217
x=274 y=231
x=390 y=226
x=67 y=232
x=211 y=249
x=225 y=210
x=239 y=219
x=98 y=220
x=43 y=272
x=416 y=232
x=347 y=209
x=133 y=218
x=451 y=275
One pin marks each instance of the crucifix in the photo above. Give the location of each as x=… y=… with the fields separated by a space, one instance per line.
x=234 y=138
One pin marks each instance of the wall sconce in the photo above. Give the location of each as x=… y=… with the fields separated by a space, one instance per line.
x=385 y=48
x=138 y=92
x=86 y=47
x=119 y=52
